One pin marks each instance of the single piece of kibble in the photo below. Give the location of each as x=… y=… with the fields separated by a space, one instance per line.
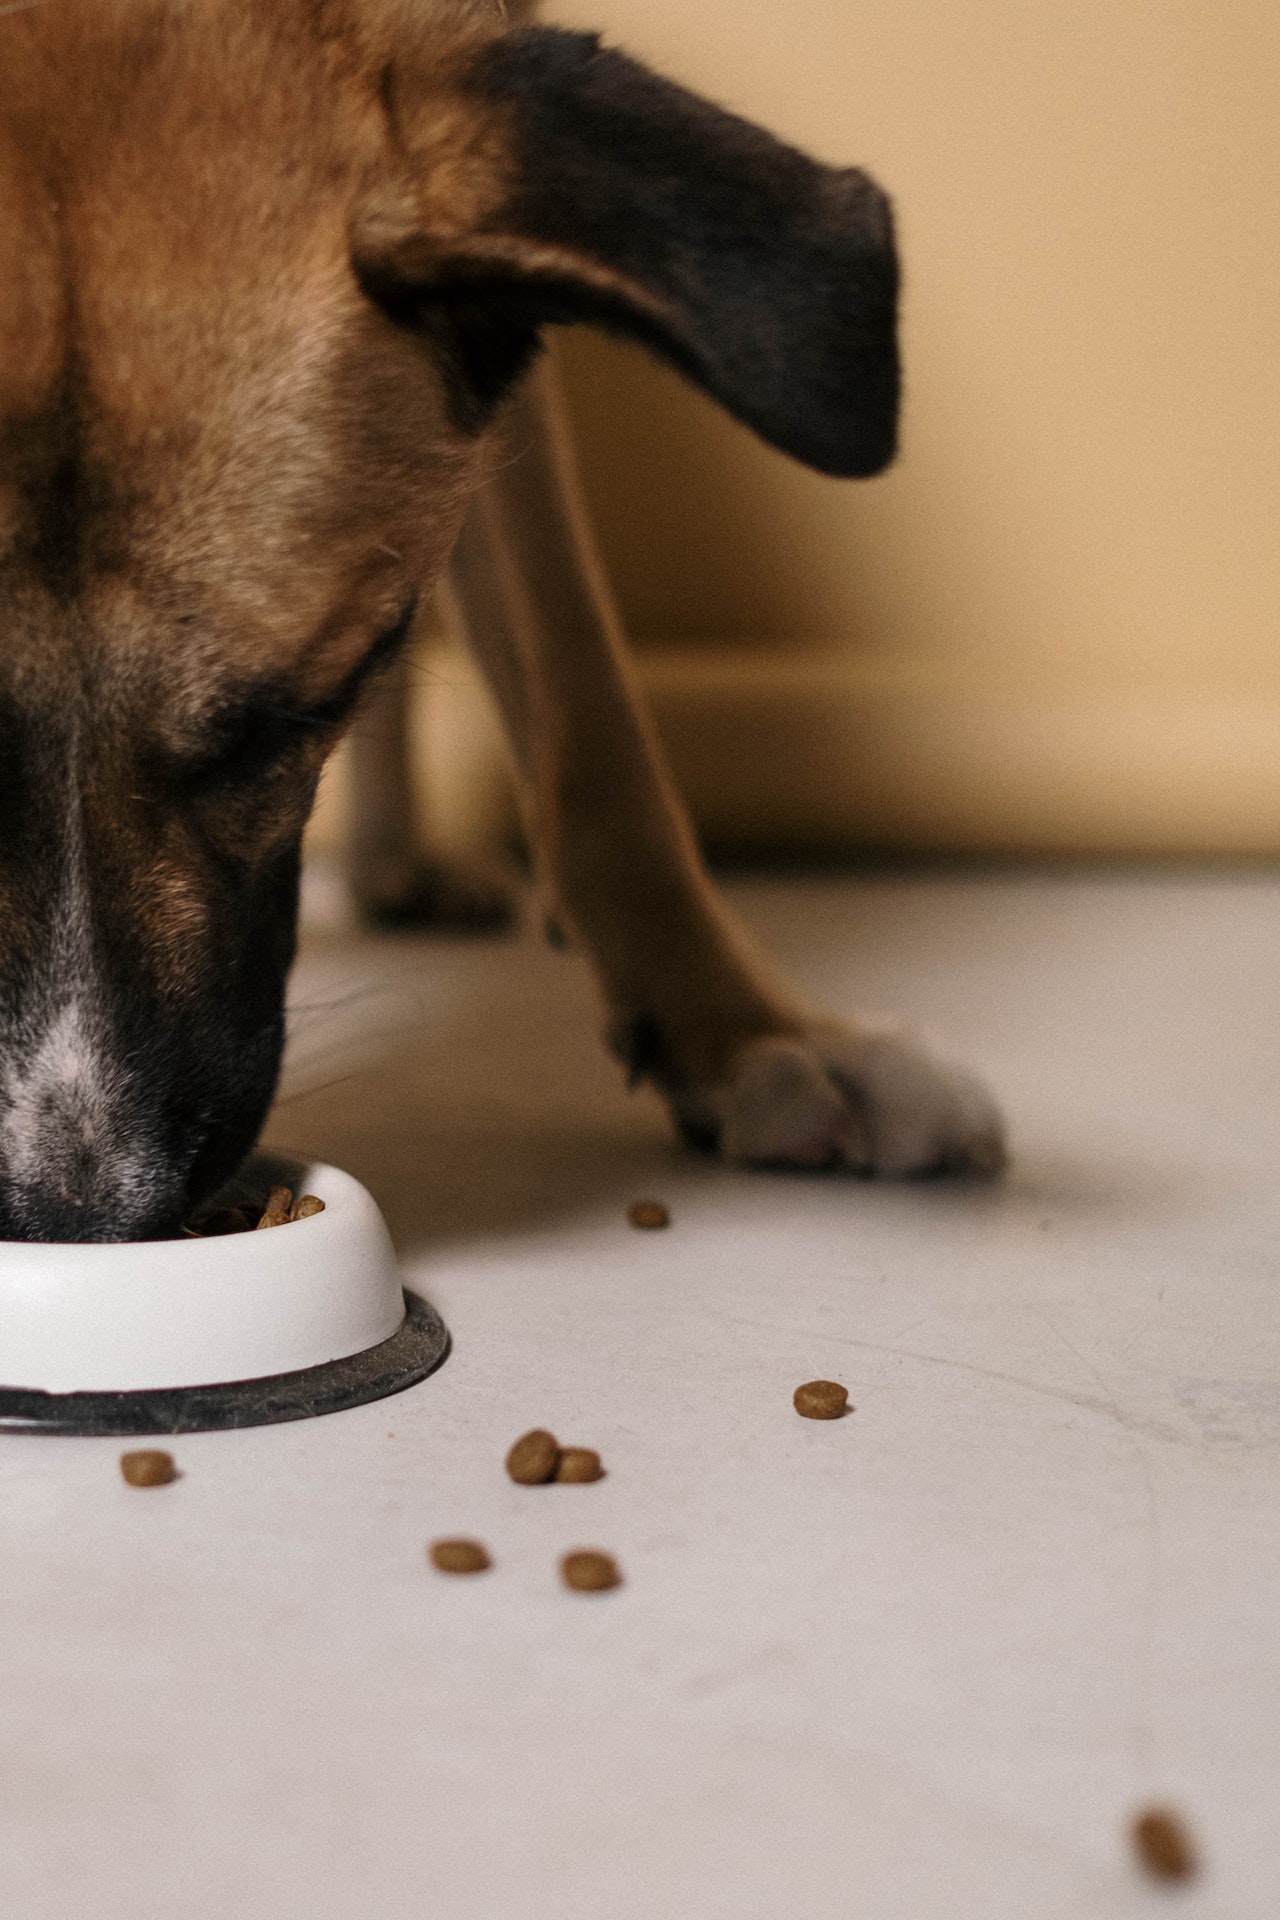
x=648 y=1215
x=1163 y=1844
x=578 y=1466
x=276 y=1211
x=821 y=1400
x=459 y=1556
x=149 y=1467
x=534 y=1458
x=306 y=1208
x=590 y=1572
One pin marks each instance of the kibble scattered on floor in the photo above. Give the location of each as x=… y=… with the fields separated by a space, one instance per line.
x=821 y=1400
x=588 y=1571
x=648 y=1215
x=148 y=1467
x=1163 y=1844
x=533 y=1460
x=578 y=1466
x=459 y=1556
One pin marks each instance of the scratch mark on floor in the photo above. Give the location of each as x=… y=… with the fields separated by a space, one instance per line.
x=1149 y=1599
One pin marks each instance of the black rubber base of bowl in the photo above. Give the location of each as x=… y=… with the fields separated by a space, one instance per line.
x=413 y=1352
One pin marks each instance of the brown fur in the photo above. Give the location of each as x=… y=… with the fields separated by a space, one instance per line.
x=265 y=268
x=256 y=443
x=223 y=474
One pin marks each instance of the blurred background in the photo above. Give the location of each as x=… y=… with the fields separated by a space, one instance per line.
x=1051 y=629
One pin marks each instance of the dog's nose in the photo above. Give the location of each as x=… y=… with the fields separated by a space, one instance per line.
x=78 y=1151
x=77 y=1194
x=80 y=1198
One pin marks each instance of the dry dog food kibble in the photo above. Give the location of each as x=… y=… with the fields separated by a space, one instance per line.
x=279 y=1211
x=648 y=1214
x=821 y=1400
x=590 y=1572
x=534 y=1458
x=276 y=1212
x=1163 y=1845
x=578 y=1466
x=149 y=1467
x=459 y=1556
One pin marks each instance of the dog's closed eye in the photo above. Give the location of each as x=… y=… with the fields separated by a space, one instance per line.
x=260 y=730
x=244 y=746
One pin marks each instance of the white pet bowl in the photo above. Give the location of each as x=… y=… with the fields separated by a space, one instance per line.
x=228 y=1331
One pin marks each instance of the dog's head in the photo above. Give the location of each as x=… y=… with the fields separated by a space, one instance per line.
x=267 y=269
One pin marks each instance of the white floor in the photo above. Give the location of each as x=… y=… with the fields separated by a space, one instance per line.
x=919 y=1664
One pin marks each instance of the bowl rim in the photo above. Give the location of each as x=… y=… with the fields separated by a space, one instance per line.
x=131 y=1316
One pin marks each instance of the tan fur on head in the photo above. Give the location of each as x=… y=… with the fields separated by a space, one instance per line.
x=219 y=335
x=225 y=478
x=268 y=268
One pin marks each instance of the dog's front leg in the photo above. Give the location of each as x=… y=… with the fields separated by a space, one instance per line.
x=691 y=1005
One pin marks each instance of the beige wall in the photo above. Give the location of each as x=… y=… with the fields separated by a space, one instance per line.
x=1053 y=627
x=1054 y=624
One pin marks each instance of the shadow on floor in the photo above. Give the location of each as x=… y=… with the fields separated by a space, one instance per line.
x=499 y=1111
x=485 y=1105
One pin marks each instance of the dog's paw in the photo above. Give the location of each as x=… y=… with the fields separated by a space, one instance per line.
x=874 y=1099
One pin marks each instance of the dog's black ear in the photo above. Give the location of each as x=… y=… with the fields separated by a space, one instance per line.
x=565 y=182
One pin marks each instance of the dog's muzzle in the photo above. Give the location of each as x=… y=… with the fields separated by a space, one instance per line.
x=80 y=1157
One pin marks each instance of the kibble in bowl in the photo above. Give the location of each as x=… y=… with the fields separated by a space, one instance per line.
x=279 y=1209
x=205 y=1310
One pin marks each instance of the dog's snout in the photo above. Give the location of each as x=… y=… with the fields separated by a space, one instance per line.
x=141 y=996
x=77 y=1210
x=77 y=1152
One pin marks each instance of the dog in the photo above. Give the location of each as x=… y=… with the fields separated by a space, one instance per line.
x=273 y=279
